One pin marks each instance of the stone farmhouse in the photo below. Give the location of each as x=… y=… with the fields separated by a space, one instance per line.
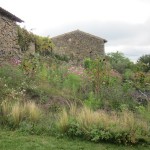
x=78 y=45
x=8 y=34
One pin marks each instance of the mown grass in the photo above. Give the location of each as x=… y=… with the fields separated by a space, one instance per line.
x=10 y=140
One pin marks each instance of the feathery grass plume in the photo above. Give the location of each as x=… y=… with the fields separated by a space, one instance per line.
x=17 y=113
x=125 y=127
x=86 y=118
x=63 y=121
x=33 y=111
x=127 y=120
x=5 y=108
x=73 y=109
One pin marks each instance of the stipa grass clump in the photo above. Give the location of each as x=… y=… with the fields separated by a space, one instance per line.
x=32 y=111
x=123 y=127
x=15 y=113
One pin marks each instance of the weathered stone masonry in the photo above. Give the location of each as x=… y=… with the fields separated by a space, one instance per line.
x=8 y=34
x=78 y=45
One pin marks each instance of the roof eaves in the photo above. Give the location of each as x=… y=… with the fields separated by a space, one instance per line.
x=10 y=15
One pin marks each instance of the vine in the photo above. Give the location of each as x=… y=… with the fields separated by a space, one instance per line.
x=43 y=45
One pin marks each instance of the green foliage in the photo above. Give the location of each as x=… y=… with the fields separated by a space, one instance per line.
x=128 y=74
x=99 y=126
x=16 y=141
x=62 y=58
x=92 y=102
x=41 y=79
x=108 y=90
x=30 y=64
x=43 y=45
x=87 y=63
x=12 y=76
x=24 y=39
x=119 y=62
x=144 y=111
x=99 y=72
x=144 y=63
x=73 y=82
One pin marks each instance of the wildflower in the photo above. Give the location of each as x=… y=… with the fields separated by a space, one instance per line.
x=15 y=61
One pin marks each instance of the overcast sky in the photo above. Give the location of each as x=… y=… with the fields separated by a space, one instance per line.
x=124 y=23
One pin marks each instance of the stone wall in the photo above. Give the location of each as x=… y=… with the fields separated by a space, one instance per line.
x=78 y=45
x=8 y=38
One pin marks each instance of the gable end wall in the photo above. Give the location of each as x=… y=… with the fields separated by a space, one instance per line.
x=78 y=45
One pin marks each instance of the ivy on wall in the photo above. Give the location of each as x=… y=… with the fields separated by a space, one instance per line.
x=43 y=45
x=24 y=39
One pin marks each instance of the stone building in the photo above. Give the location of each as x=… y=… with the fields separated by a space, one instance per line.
x=78 y=45
x=8 y=34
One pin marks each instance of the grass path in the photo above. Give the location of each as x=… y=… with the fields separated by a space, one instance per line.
x=10 y=140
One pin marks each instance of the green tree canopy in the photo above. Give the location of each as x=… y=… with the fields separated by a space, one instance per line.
x=119 y=62
x=144 y=61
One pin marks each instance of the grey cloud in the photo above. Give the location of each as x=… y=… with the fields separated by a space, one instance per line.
x=115 y=32
x=134 y=39
x=123 y=33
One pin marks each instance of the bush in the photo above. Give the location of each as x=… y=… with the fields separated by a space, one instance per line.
x=119 y=62
x=144 y=63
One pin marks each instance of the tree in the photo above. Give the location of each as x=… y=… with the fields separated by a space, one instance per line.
x=119 y=62
x=144 y=62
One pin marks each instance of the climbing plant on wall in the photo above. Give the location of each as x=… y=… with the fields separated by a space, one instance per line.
x=24 y=38
x=43 y=45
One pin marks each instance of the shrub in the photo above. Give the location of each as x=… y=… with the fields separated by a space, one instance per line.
x=144 y=63
x=119 y=62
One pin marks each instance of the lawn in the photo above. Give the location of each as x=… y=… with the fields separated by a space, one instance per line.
x=11 y=140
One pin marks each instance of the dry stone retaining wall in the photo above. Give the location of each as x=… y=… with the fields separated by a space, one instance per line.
x=8 y=39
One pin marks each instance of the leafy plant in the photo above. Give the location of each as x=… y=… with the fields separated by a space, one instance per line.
x=119 y=62
x=144 y=62
x=99 y=125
